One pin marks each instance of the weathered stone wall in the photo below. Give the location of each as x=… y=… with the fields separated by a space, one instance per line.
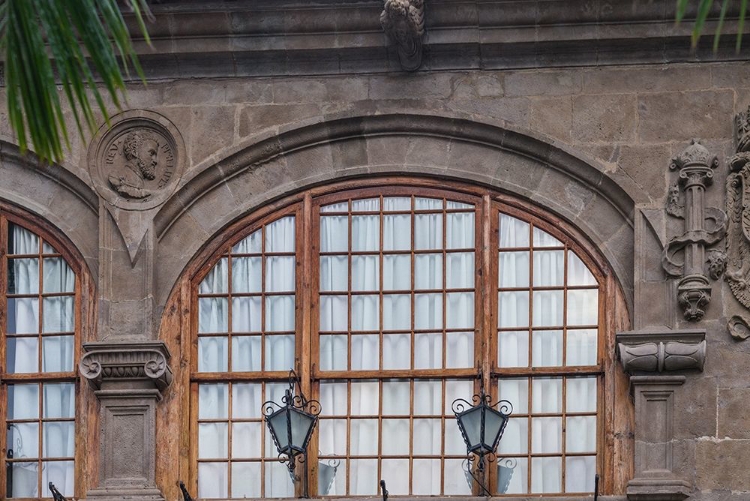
x=590 y=144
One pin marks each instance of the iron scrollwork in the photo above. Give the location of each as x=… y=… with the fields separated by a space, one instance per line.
x=55 y=493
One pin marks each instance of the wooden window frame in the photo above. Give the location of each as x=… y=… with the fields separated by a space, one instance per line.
x=83 y=329
x=613 y=456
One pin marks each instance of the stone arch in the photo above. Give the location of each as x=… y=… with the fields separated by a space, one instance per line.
x=517 y=162
x=54 y=194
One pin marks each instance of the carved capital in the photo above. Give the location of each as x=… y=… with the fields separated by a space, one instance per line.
x=693 y=295
x=403 y=21
x=696 y=164
x=662 y=351
x=124 y=366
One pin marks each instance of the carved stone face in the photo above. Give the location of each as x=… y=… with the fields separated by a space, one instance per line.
x=147 y=158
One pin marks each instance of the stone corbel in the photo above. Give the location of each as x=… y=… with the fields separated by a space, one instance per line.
x=403 y=21
x=704 y=227
x=647 y=355
x=121 y=366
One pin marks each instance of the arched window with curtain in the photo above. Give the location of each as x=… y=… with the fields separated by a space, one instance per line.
x=40 y=319
x=391 y=301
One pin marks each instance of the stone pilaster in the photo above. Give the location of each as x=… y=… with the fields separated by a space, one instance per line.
x=128 y=379
x=649 y=356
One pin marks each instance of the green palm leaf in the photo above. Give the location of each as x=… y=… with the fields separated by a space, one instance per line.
x=72 y=42
x=704 y=8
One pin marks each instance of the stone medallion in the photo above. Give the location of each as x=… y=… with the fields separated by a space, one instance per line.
x=137 y=162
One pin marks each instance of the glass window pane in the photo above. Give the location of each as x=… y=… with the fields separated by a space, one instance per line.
x=460 y=231
x=334 y=273
x=334 y=234
x=59 y=400
x=364 y=437
x=546 y=348
x=337 y=207
x=332 y=477
x=280 y=235
x=365 y=398
x=212 y=480
x=428 y=204
x=428 y=271
x=334 y=313
x=396 y=437
x=363 y=477
x=580 y=434
x=428 y=396
x=391 y=204
x=428 y=436
x=458 y=205
x=216 y=279
x=246 y=314
x=58 y=314
x=459 y=350
x=515 y=439
x=246 y=440
x=23 y=401
x=513 y=232
x=24 y=438
x=455 y=478
x=365 y=273
x=459 y=270
x=365 y=313
x=513 y=476
x=546 y=475
x=212 y=314
x=515 y=391
x=513 y=309
x=365 y=233
x=583 y=307
x=213 y=401
x=25 y=478
x=23 y=276
x=212 y=440
x=397 y=232
x=578 y=272
x=22 y=355
x=396 y=312
x=397 y=473
x=23 y=316
x=548 y=308
x=212 y=354
x=396 y=351
x=246 y=353
x=279 y=353
x=60 y=473
x=57 y=354
x=333 y=353
x=454 y=442
x=365 y=352
x=251 y=244
x=396 y=272
x=396 y=398
x=460 y=310
x=428 y=311
x=426 y=477
x=279 y=313
x=513 y=349
x=549 y=268
x=58 y=439
x=456 y=389
x=280 y=274
x=544 y=239
x=245 y=480
x=580 y=473
x=513 y=269
x=428 y=231
x=581 y=394
x=428 y=351
x=581 y=347
x=58 y=277
x=366 y=205
x=546 y=395
x=546 y=435
x=21 y=240
x=332 y=439
x=334 y=398
x=247 y=399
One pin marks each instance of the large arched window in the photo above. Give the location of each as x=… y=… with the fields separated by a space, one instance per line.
x=39 y=322
x=391 y=301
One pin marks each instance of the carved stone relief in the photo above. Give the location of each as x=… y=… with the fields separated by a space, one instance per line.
x=136 y=164
x=662 y=351
x=704 y=227
x=403 y=21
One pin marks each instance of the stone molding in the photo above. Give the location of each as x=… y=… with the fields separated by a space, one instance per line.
x=662 y=351
x=403 y=21
x=119 y=367
x=704 y=227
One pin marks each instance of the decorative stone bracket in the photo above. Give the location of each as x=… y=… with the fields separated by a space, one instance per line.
x=129 y=379
x=647 y=354
x=403 y=21
x=696 y=166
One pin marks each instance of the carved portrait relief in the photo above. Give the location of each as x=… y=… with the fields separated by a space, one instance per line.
x=136 y=163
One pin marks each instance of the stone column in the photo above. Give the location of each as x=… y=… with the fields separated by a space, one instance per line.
x=647 y=355
x=129 y=380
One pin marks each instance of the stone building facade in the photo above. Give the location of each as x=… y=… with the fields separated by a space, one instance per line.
x=591 y=120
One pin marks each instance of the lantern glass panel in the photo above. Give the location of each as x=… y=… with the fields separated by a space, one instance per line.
x=493 y=425
x=301 y=424
x=278 y=425
x=472 y=424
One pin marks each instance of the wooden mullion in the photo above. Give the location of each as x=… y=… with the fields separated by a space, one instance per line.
x=303 y=338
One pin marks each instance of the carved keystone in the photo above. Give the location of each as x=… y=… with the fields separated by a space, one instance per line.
x=129 y=379
x=403 y=21
x=696 y=167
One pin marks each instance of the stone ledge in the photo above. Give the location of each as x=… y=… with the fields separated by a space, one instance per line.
x=669 y=489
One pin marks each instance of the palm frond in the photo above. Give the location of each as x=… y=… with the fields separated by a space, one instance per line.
x=74 y=42
x=702 y=13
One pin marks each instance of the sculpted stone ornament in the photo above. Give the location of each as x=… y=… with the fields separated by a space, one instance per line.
x=136 y=164
x=738 y=209
x=662 y=351
x=403 y=21
x=704 y=227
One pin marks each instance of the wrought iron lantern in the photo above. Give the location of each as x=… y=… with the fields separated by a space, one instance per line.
x=482 y=425
x=291 y=424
